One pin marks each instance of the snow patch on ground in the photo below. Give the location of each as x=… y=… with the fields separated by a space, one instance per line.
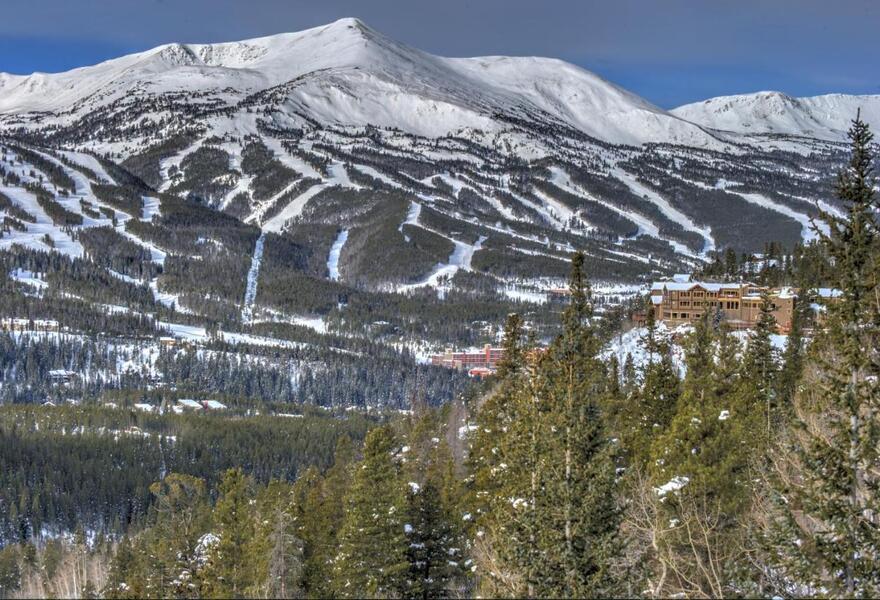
x=460 y=258
x=335 y=251
x=250 y=293
x=151 y=208
x=294 y=209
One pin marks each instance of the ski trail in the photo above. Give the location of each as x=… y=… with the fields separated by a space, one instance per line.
x=665 y=207
x=412 y=218
x=807 y=233
x=460 y=259
x=335 y=251
x=292 y=210
x=250 y=293
x=647 y=227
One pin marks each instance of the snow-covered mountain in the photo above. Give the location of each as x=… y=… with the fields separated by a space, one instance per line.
x=346 y=73
x=440 y=172
x=825 y=117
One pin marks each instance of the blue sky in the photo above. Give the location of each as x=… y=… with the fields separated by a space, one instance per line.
x=669 y=51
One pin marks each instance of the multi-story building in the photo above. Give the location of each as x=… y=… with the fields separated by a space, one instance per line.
x=683 y=301
x=487 y=358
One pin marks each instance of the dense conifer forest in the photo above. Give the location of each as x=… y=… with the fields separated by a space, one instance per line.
x=752 y=471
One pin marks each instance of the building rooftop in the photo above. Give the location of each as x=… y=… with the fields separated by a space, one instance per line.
x=684 y=286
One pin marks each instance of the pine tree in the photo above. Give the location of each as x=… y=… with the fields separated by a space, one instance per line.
x=283 y=550
x=629 y=375
x=550 y=521
x=123 y=579
x=700 y=476
x=434 y=552
x=651 y=408
x=829 y=497
x=505 y=475
x=170 y=548
x=231 y=569
x=792 y=366
x=436 y=544
x=372 y=555
x=578 y=516
x=760 y=370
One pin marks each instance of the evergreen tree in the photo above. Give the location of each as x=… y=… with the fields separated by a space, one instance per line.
x=435 y=546
x=232 y=568
x=579 y=520
x=792 y=364
x=760 y=370
x=651 y=408
x=123 y=577
x=171 y=546
x=372 y=555
x=829 y=497
x=700 y=476
x=280 y=551
x=318 y=512
x=550 y=520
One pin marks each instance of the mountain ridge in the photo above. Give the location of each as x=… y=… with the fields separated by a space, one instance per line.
x=475 y=85
x=510 y=161
x=825 y=116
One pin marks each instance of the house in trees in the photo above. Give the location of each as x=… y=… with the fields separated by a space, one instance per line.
x=187 y=404
x=61 y=376
x=677 y=302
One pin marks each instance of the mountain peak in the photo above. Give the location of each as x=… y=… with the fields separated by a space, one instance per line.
x=772 y=112
x=349 y=22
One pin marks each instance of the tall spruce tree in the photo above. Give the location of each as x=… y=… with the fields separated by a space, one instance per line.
x=371 y=561
x=651 y=408
x=232 y=564
x=578 y=512
x=701 y=477
x=792 y=363
x=829 y=498
x=760 y=370
x=170 y=548
x=318 y=514
x=505 y=474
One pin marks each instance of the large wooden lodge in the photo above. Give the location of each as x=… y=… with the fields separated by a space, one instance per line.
x=681 y=301
x=677 y=302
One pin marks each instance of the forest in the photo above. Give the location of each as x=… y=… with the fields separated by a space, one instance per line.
x=751 y=471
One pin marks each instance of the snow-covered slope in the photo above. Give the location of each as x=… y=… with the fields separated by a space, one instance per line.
x=340 y=128
x=346 y=73
x=825 y=117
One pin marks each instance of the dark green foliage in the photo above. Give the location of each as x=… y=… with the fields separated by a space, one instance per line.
x=145 y=165
x=56 y=174
x=14 y=210
x=56 y=461
x=108 y=248
x=371 y=560
x=270 y=176
x=59 y=215
x=834 y=443
x=207 y=175
x=126 y=199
